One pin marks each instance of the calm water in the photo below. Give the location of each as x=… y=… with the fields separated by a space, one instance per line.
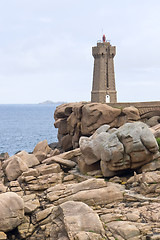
x=23 y=126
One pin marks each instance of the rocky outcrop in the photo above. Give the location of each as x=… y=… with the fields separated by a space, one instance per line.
x=50 y=199
x=76 y=119
x=14 y=167
x=90 y=191
x=129 y=147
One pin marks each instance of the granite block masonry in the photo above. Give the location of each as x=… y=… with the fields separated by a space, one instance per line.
x=103 y=88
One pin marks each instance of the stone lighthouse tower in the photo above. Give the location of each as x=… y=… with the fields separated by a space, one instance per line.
x=103 y=88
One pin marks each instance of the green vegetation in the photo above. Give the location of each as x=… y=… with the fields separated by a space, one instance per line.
x=158 y=141
x=119 y=219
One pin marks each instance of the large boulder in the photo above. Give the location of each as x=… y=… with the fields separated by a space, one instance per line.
x=64 y=110
x=131 y=113
x=41 y=150
x=153 y=121
x=14 y=167
x=129 y=147
x=96 y=114
x=128 y=114
x=11 y=211
x=66 y=142
x=79 y=219
x=29 y=159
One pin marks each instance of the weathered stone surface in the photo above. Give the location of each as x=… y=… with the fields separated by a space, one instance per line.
x=96 y=114
x=42 y=182
x=66 y=142
x=15 y=187
x=53 y=153
x=153 y=121
x=14 y=167
x=88 y=236
x=78 y=217
x=127 y=232
x=41 y=150
x=43 y=214
x=64 y=110
x=62 y=126
x=61 y=161
x=84 y=168
x=30 y=172
x=129 y=147
x=31 y=203
x=44 y=169
x=156 y=130
x=70 y=155
x=3 y=236
x=26 y=228
x=149 y=177
x=3 y=188
x=4 y=156
x=29 y=159
x=11 y=211
x=128 y=114
x=71 y=123
x=152 y=166
x=131 y=113
x=92 y=191
x=133 y=216
x=150 y=113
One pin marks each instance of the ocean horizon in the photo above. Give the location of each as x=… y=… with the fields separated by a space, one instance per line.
x=22 y=126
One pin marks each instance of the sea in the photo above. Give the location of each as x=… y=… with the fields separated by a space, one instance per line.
x=22 y=126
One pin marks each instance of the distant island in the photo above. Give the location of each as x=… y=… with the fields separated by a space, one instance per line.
x=48 y=102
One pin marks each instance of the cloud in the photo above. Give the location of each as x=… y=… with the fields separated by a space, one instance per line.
x=50 y=42
x=45 y=20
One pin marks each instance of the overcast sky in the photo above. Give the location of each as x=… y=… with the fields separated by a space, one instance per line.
x=46 y=48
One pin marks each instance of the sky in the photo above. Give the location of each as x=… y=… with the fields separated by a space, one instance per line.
x=46 y=48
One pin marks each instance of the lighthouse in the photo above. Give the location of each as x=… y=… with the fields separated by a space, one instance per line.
x=103 y=87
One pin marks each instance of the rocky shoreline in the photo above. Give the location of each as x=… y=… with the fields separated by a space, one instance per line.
x=104 y=182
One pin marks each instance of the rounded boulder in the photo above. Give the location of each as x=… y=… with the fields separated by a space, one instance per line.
x=11 y=211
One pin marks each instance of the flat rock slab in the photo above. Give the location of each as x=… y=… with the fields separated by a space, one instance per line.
x=61 y=161
x=127 y=230
x=91 y=192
